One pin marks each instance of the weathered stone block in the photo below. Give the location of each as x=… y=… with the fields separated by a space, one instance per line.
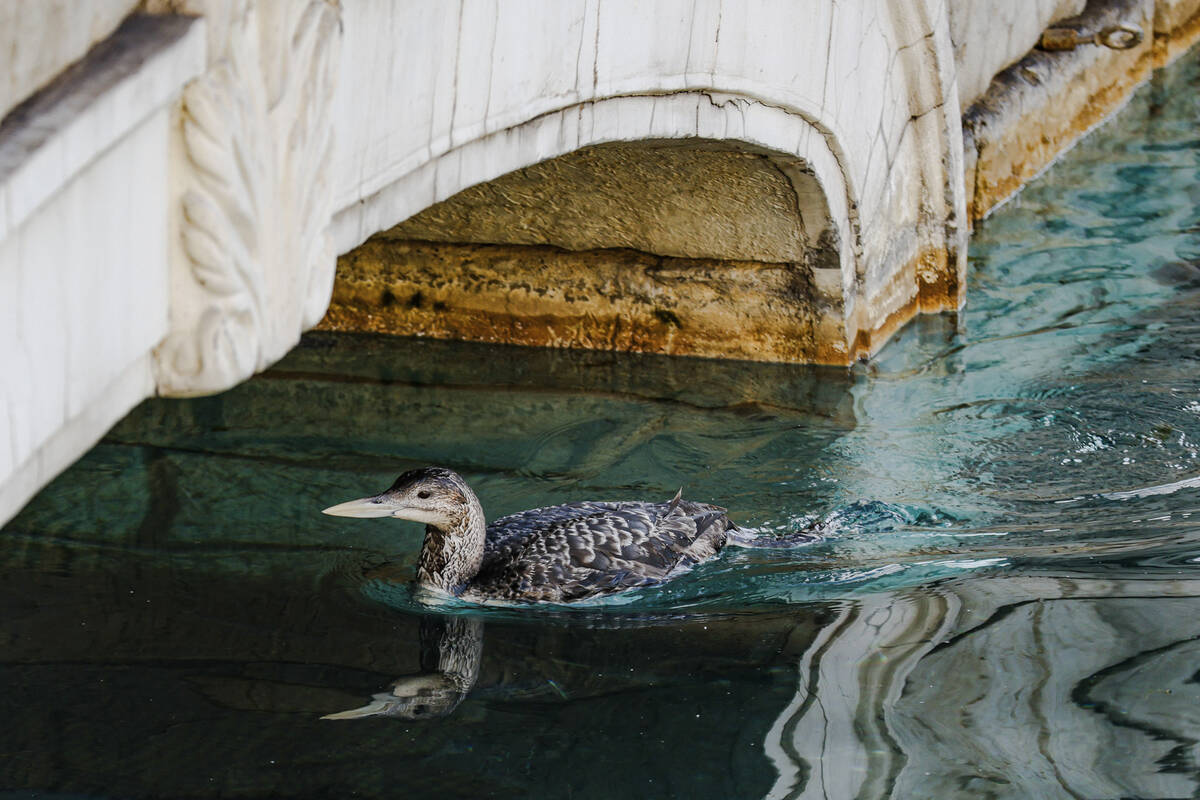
x=84 y=172
x=40 y=40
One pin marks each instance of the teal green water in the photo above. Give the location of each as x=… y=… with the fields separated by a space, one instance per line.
x=1004 y=601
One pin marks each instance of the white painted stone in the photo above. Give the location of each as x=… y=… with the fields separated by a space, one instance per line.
x=39 y=40
x=83 y=249
x=88 y=307
x=60 y=132
x=76 y=435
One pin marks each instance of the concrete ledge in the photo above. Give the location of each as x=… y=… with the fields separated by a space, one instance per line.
x=1038 y=108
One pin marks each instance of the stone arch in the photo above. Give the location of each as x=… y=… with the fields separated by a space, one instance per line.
x=788 y=260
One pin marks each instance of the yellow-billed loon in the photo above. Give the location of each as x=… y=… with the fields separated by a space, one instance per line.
x=556 y=554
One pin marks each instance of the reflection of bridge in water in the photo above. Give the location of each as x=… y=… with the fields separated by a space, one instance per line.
x=992 y=687
x=1016 y=687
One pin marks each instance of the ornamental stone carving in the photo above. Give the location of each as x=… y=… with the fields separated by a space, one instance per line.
x=253 y=260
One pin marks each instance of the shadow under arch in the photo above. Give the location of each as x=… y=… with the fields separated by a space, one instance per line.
x=721 y=114
x=653 y=223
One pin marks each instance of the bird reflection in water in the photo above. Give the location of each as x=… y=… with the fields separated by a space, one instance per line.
x=451 y=650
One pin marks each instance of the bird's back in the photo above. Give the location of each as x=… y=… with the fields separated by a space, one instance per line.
x=570 y=552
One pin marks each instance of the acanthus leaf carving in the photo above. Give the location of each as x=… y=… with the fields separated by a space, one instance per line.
x=255 y=207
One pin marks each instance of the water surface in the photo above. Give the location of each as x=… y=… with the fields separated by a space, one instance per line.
x=1005 y=601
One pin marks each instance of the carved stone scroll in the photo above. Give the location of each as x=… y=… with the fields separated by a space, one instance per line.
x=256 y=257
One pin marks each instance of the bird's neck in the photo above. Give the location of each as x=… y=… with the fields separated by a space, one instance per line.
x=452 y=554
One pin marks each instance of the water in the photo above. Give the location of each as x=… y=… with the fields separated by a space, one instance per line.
x=1005 y=601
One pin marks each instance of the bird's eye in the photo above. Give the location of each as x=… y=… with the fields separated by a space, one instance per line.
x=423 y=494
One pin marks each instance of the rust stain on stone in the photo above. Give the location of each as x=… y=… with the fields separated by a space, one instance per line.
x=1006 y=164
x=926 y=285
x=1039 y=107
x=938 y=286
x=615 y=300
x=1169 y=45
x=606 y=299
x=868 y=342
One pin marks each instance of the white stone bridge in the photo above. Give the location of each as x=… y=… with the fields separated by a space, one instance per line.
x=179 y=177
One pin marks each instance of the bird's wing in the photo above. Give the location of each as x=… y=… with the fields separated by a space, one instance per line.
x=513 y=528
x=603 y=548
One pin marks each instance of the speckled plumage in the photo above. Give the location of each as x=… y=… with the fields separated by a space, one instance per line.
x=578 y=550
x=557 y=553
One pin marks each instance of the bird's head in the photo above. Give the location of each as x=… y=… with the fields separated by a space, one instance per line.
x=432 y=495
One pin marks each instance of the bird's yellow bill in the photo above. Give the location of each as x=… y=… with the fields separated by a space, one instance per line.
x=364 y=507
